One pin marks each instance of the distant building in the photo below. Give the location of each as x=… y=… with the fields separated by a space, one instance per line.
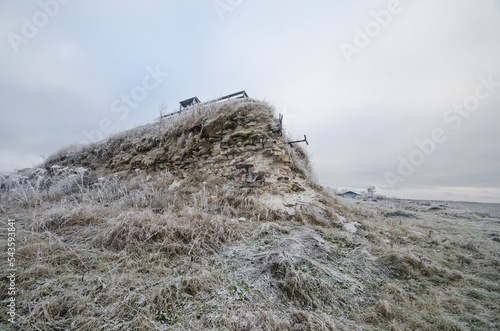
x=351 y=194
x=188 y=103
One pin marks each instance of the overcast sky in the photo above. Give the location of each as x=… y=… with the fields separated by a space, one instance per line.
x=403 y=95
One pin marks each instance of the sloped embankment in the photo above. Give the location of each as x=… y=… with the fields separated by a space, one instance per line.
x=209 y=221
x=239 y=142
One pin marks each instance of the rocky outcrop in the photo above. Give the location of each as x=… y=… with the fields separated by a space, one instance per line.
x=238 y=141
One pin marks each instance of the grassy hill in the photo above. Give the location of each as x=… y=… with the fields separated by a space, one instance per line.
x=210 y=221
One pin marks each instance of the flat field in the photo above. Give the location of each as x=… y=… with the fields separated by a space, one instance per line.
x=146 y=255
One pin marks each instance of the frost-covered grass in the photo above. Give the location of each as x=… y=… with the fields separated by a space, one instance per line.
x=172 y=132
x=150 y=250
x=162 y=253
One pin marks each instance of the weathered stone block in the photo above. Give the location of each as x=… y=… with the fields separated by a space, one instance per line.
x=268 y=152
x=268 y=144
x=297 y=188
x=219 y=158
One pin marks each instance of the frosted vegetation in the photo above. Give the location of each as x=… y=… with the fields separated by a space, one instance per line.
x=152 y=251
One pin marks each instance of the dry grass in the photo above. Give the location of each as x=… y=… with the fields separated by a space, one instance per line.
x=101 y=252
x=172 y=134
x=189 y=232
x=139 y=255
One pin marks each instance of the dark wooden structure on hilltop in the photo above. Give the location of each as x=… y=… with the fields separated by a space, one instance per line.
x=188 y=103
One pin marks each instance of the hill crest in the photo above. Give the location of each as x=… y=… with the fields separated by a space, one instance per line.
x=239 y=143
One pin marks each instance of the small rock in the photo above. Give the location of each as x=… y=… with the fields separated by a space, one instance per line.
x=350 y=227
x=175 y=184
x=242 y=219
x=268 y=151
x=276 y=129
x=297 y=188
x=417 y=234
x=289 y=211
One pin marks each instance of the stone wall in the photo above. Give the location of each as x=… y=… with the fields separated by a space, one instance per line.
x=245 y=150
x=240 y=143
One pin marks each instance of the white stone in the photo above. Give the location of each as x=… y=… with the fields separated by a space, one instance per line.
x=175 y=184
x=350 y=227
x=290 y=211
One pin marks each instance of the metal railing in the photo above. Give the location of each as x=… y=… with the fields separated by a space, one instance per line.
x=237 y=95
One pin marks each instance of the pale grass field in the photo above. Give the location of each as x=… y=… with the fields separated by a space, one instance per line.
x=155 y=252
x=138 y=255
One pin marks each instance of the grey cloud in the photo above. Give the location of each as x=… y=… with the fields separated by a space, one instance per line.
x=359 y=117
